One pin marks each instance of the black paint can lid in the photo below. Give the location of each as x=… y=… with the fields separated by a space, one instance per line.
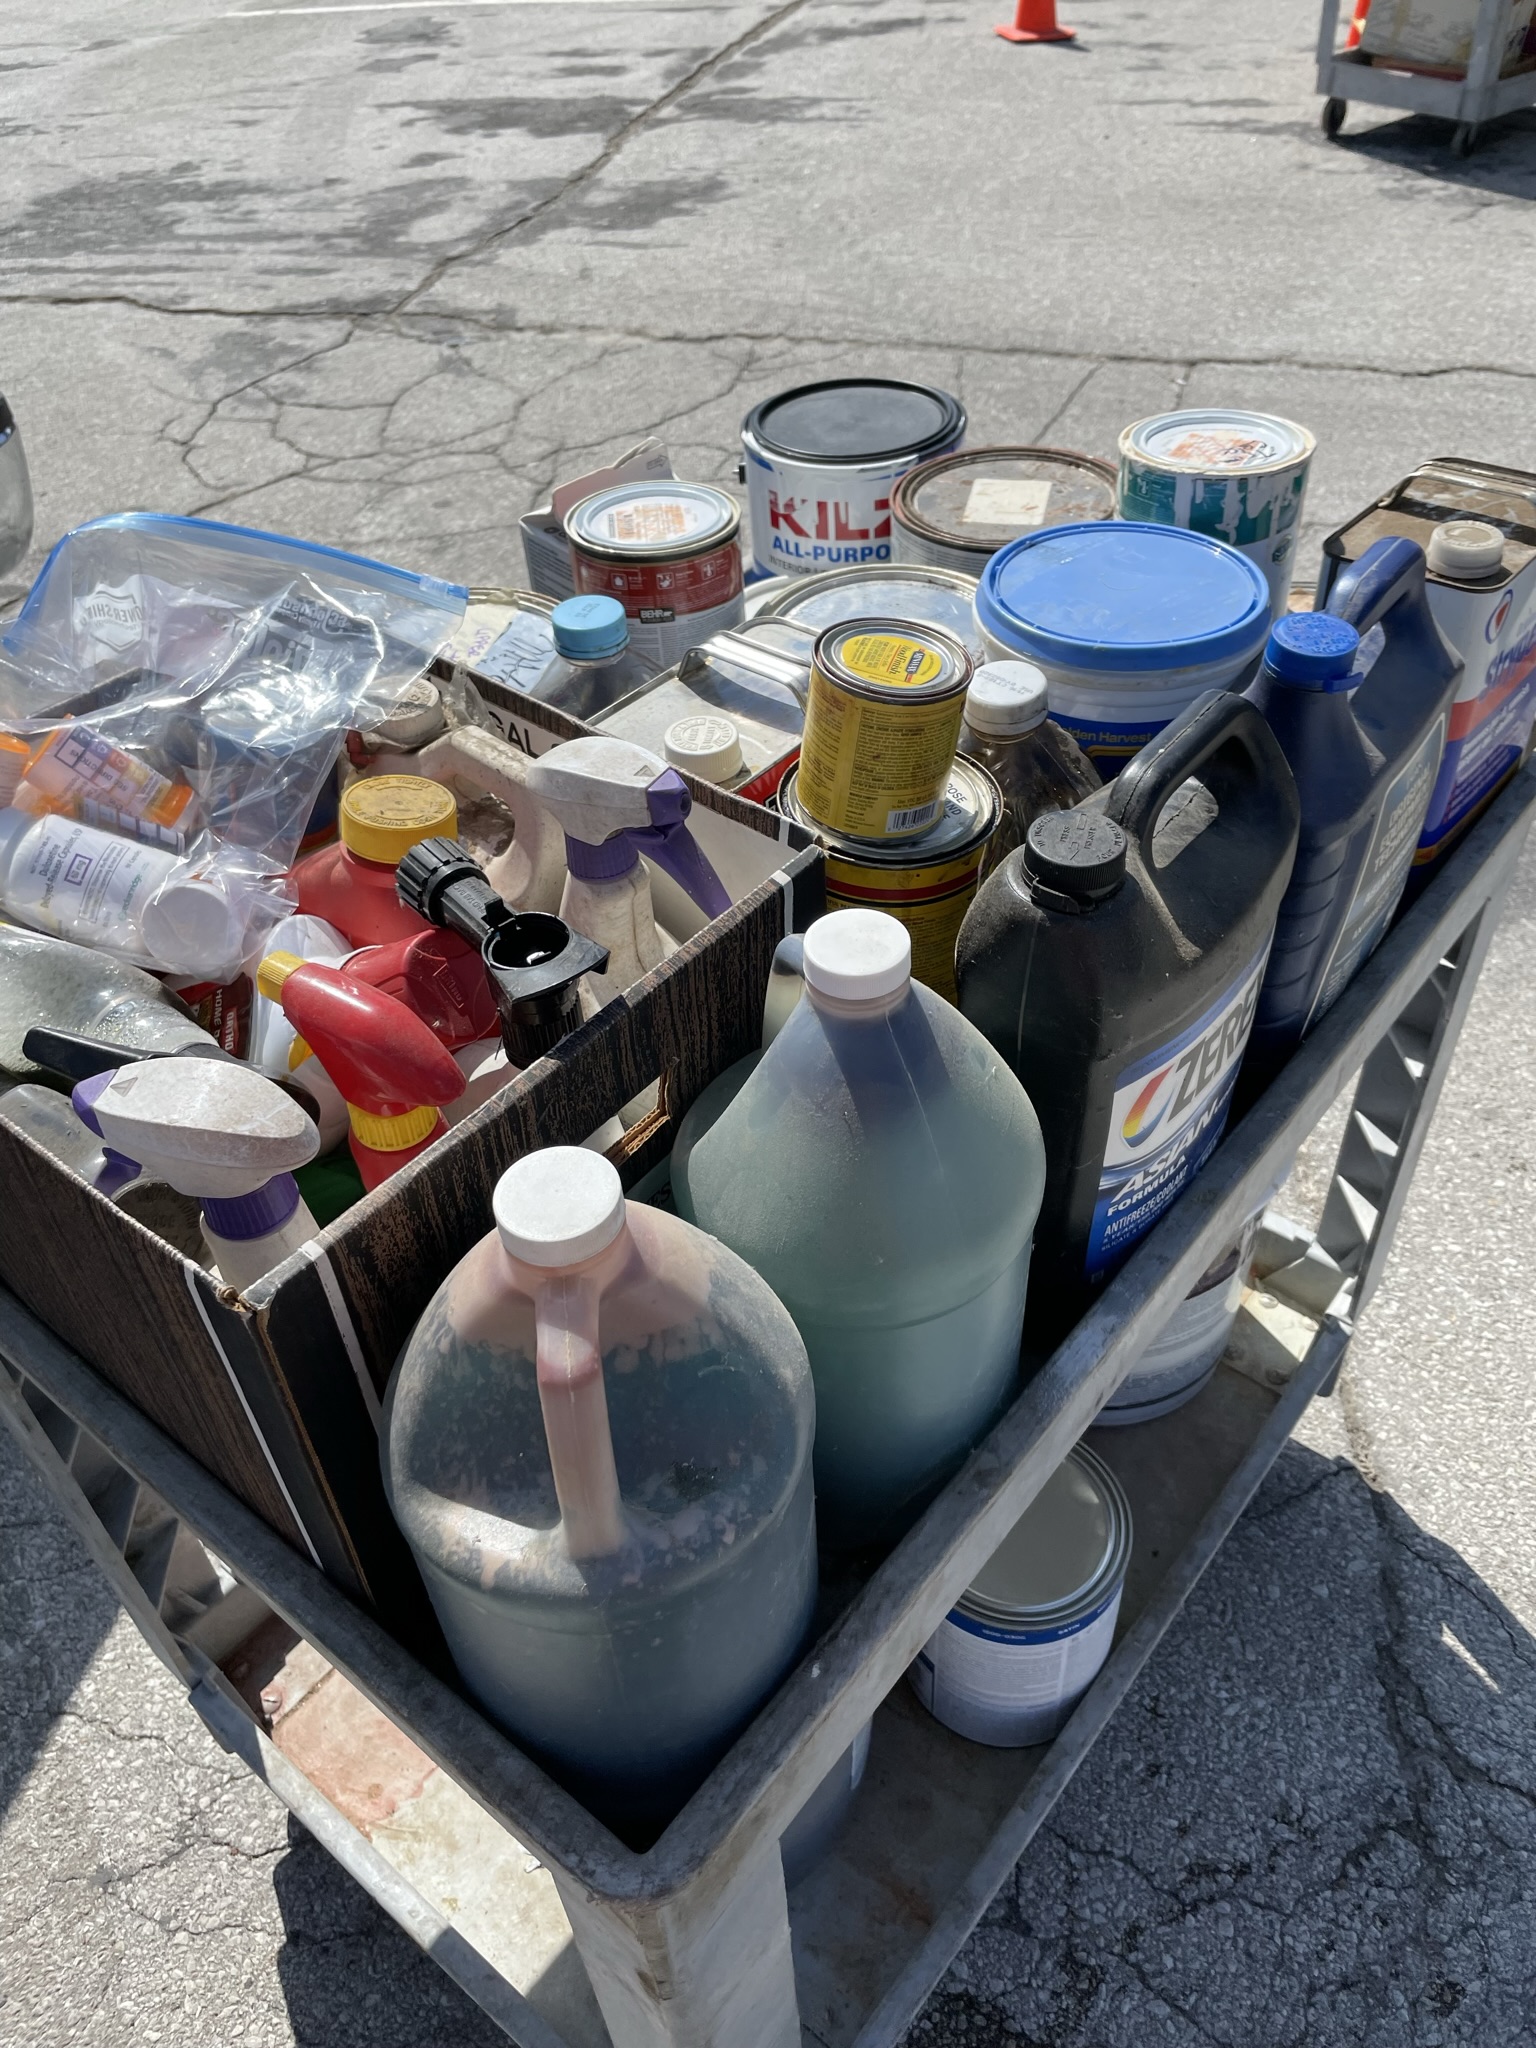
x=857 y=419
x=1079 y=853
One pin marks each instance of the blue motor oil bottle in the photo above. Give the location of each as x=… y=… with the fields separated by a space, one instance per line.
x=1114 y=960
x=1358 y=697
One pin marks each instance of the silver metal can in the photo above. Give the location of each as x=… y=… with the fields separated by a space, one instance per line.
x=1031 y=1632
x=920 y=593
x=958 y=510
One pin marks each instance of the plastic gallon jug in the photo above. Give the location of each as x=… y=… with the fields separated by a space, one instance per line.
x=882 y=1170
x=598 y=1444
x=1114 y=961
x=1131 y=622
x=352 y=884
x=1363 y=727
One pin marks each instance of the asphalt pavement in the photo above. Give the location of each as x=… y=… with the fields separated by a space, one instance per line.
x=378 y=274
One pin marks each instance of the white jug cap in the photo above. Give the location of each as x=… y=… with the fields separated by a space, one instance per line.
x=1466 y=547
x=704 y=744
x=1006 y=697
x=198 y=921
x=858 y=955
x=559 y=1206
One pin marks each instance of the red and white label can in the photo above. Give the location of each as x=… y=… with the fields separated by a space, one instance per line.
x=670 y=554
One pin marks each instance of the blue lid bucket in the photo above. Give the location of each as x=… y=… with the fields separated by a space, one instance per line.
x=1129 y=621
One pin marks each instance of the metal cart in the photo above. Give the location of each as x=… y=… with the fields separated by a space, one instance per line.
x=1345 y=75
x=697 y=1944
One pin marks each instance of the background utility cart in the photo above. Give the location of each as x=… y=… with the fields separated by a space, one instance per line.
x=696 y=1943
x=1345 y=75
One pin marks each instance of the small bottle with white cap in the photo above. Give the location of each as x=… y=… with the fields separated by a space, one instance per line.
x=597 y=1442
x=882 y=1169
x=1035 y=762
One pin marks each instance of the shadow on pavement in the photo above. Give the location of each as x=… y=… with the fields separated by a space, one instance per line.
x=1503 y=162
x=1311 y=1822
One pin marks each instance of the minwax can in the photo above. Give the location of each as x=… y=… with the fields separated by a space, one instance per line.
x=1031 y=1632
x=1240 y=477
x=670 y=553
x=882 y=723
x=928 y=883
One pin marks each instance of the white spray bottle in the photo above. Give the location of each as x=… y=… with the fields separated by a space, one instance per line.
x=615 y=801
x=217 y=1130
x=530 y=874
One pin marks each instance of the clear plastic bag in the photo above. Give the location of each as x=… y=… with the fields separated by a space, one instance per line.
x=188 y=685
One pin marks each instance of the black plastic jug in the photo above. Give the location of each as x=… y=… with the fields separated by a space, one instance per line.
x=1114 y=960
x=1358 y=697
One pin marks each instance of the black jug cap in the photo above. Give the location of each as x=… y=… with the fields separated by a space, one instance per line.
x=1078 y=853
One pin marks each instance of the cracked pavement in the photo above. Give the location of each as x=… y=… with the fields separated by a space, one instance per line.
x=378 y=275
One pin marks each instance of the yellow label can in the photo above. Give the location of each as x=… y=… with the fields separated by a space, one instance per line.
x=881 y=726
x=928 y=883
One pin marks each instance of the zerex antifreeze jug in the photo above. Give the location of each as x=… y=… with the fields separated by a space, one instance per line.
x=597 y=1442
x=1114 y=961
x=1363 y=727
x=882 y=1169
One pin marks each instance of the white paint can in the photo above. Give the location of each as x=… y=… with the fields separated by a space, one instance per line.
x=1031 y=1632
x=1240 y=477
x=820 y=463
x=1184 y=1355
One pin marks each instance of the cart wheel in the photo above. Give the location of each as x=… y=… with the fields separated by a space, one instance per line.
x=1333 y=116
x=1464 y=141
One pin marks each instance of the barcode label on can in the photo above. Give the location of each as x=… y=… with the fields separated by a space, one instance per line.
x=910 y=821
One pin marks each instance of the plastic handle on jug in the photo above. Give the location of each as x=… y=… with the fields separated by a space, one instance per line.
x=574 y=1402
x=1217 y=723
x=1389 y=574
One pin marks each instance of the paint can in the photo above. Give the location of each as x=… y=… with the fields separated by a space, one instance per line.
x=1240 y=477
x=1031 y=1632
x=921 y=593
x=882 y=722
x=1184 y=1355
x=958 y=510
x=1130 y=622
x=820 y=463
x=927 y=884
x=670 y=553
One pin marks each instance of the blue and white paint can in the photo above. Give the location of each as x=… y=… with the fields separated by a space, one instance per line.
x=820 y=463
x=1130 y=622
x=1031 y=1632
x=1184 y=1355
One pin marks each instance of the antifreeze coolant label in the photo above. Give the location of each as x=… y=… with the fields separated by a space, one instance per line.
x=1168 y=1112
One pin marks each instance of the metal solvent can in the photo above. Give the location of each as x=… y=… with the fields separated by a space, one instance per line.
x=958 y=510
x=670 y=553
x=820 y=463
x=882 y=723
x=1240 y=477
x=1031 y=1632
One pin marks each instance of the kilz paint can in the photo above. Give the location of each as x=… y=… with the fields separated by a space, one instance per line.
x=670 y=554
x=928 y=883
x=1031 y=1632
x=820 y=463
x=882 y=722
x=1185 y=1353
x=958 y=510
x=1240 y=477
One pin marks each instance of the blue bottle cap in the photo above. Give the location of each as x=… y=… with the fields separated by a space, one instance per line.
x=1123 y=597
x=589 y=628
x=1313 y=651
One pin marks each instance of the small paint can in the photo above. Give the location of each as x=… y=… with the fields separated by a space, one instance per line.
x=882 y=722
x=1240 y=477
x=927 y=884
x=958 y=510
x=820 y=463
x=1031 y=1632
x=922 y=593
x=670 y=553
x=1185 y=1353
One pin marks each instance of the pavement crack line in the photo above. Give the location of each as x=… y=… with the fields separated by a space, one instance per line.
x=611 y=150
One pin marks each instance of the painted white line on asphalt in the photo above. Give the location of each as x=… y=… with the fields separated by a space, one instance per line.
x=432 y=7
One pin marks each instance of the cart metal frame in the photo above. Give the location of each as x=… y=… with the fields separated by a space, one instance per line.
x=1345 y=75
x=696 y=1943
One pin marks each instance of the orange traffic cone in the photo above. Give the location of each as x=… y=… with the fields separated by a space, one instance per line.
x=1035 y=22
